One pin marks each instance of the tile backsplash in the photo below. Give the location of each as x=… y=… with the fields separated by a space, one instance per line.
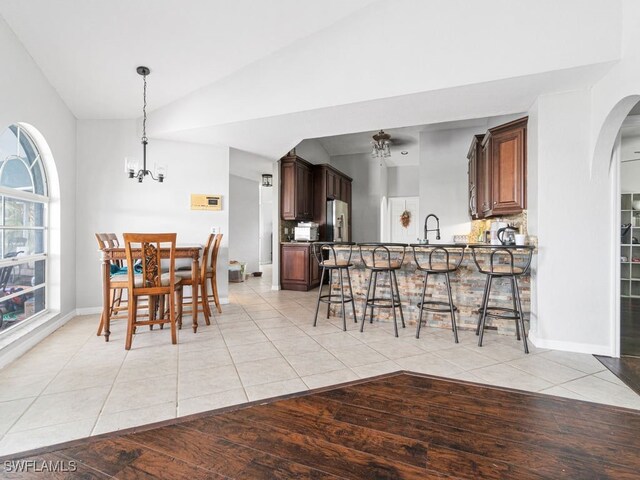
x=478 y=227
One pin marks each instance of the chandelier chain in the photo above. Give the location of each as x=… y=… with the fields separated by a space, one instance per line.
x=144 y=110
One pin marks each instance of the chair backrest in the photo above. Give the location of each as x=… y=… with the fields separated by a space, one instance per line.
x=438 y=258
x=325 y=252
x=214 y=251
x=150 y=248
x=382 y=255
x=205 y=256
x=109 y=240
x=509 y=260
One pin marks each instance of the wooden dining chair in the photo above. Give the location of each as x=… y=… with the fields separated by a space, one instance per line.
x=118 y=281
x=210 y=275
x=152 y=283
x=186 y=278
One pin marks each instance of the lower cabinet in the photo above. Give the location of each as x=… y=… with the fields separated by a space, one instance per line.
x=298 y=267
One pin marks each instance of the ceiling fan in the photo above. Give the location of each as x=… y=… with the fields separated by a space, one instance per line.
x=382 y=142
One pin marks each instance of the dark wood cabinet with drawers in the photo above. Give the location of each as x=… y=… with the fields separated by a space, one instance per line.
x=298 y=267
x=296 y=189
x=498 y=171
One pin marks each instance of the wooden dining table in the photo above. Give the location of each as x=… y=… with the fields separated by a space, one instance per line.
x=112 y=254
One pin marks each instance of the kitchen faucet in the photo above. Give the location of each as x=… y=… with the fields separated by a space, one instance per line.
x=426 y=229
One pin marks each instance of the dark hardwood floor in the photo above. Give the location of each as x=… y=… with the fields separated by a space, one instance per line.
x=626 y=369
x=395 y=426
x=630 y=327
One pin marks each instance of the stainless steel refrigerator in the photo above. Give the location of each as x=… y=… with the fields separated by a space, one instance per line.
x=338 y=221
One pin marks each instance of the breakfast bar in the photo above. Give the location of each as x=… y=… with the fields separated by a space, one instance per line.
x=467 y=288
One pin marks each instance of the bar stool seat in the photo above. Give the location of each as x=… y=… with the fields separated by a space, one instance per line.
x=500 y=263
x=383 y=258
x=438 y=260
x=327 y=258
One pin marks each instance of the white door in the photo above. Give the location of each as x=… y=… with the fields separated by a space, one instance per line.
x=399 y=232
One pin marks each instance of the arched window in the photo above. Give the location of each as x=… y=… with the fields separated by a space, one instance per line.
x=23 y=228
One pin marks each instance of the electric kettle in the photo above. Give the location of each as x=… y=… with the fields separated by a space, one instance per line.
x=507 y=235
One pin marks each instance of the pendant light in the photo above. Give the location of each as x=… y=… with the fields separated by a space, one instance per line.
x=131 y=167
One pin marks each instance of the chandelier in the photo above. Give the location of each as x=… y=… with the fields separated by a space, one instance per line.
x=381 y=145
x=132 y=167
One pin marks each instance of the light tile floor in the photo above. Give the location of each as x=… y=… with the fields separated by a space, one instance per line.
x=74 y=384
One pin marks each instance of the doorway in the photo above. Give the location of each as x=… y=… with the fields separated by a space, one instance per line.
x=627 y=153
x=403 y=219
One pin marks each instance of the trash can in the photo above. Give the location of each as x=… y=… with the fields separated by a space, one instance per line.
x=236 y=271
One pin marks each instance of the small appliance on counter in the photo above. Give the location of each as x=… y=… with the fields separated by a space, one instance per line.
x=306 y=232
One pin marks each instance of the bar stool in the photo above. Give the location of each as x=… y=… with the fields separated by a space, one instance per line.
x=383 y=260
x=326 y=256
x=501 y=264
x=438 y=260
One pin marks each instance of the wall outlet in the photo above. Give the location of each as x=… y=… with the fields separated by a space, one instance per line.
x=215 y=229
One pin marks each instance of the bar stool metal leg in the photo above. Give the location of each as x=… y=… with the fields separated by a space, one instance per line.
x=315 y=319
x=420 y=304
x=484 y=299
x=521 y=318
x=393 y=306
x=373 y=295
x=515 y=306
x=395 y=281
x=452 y=308
x=353 y=303
x=366 y=302
x=344 y=310
x=330 y=291
x=484 y=310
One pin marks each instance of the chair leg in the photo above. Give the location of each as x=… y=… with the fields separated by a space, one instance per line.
x=315 y=319
x=330 y=291
x=515 y=306
x=101 y=326
x=161 y=309
x=424 y=290
x=353 y=303
x=172 y=316
x=205 y=298
x=521 y=315
x=373 y=295
x=484 y=296
x=131 y=318
x=393 y=308
x=344 y=310
x=214 y=289
x=366 y=302
x=180 y=300
x=395 y=281
x=451 y=307
x=203 y=301
x=484 y=310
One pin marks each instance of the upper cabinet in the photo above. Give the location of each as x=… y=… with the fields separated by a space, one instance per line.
x=296 y=189
x=475 y=151
x=498 y=171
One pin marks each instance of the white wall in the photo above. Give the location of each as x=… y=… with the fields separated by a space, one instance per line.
x=244 y=222
x=108 y=201
x=266 y=224
x=367 y=191
x=443 y=179
x=26 y=96
x=403 y=181
x=248 y=165
x=630 y=170
x=312 y=151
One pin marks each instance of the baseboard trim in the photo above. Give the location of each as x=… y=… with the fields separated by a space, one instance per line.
x=575 y=347
x=88 y=310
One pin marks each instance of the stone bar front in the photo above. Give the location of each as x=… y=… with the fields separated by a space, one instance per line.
x=467 y=287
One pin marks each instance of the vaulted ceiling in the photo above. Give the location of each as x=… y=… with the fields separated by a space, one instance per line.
x=261 y=76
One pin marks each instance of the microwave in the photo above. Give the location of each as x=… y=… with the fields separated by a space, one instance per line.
x=306 y=232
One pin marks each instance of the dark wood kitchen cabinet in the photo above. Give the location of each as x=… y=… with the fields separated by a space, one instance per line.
x=296 y=188
x=475 y=151
x=329 y=184
x=500 y=171
x=298 y=267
